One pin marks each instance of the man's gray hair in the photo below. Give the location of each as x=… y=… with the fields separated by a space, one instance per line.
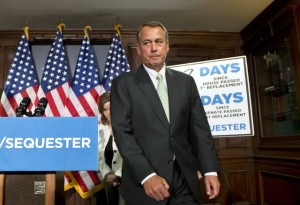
x=152 y=24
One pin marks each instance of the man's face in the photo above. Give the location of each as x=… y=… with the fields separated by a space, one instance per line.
x=153 y=47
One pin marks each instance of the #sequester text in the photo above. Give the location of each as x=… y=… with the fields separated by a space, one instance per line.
x=45 y=142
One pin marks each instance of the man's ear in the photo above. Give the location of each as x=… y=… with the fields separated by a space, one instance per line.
x=168 y=47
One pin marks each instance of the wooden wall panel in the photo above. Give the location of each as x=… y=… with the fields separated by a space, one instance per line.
x=228 y=52
x=238 y=181
x=278 y=180
x=190 y=53
x=277 y=188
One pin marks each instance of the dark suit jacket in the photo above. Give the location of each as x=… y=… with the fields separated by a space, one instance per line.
x=148 y=142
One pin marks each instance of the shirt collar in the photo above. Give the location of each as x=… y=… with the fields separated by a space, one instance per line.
x=152 y=73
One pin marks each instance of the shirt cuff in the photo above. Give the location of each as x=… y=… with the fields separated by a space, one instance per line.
x=211 y=174
x=150 y=175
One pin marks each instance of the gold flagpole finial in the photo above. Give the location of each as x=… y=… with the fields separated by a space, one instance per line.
x=61 y=26
x=86 y=32
x=26 y=28
x=118 y=27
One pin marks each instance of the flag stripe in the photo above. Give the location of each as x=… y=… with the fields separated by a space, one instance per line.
x=52 y=110
x=83 y=181
x=80 y=180
x=71 y=105
x=56 y=99
x=83 y=104
x=94 y=177
x=85 y=107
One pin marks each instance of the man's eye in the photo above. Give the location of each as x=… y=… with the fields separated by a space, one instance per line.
x=159 y=41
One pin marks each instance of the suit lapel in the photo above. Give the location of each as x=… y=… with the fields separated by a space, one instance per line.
x=145 y=84
x=172 y=93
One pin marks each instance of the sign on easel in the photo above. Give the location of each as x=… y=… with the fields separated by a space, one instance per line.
x=223 y=86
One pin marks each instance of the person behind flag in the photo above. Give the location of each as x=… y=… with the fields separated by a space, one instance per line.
x=110 y=160
x=162 y=157
x=22 y=79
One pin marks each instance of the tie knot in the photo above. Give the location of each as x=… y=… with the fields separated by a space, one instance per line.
x=159 y=76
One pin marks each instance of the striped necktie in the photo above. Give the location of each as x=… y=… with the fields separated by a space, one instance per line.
x=163 y=94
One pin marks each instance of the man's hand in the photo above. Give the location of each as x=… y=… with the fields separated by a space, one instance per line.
x=212 y=186
x=157 y=188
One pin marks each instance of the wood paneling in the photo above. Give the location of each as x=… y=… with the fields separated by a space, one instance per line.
x=238 y=181
x=278 y=180
x=275 y=188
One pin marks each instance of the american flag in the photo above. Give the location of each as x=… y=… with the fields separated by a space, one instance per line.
x=83 y=101
x=55 y=82
x=116 y=62
x=22 y=79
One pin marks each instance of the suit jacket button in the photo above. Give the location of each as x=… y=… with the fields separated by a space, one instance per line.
x=115 y=151
x=114 y=162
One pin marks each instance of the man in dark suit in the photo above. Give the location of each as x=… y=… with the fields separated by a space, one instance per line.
x=163 y=150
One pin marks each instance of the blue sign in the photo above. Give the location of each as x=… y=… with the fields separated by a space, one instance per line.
x=48 y=143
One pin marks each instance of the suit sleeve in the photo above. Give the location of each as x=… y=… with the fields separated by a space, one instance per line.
x=134 y=160
x=200 y=133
